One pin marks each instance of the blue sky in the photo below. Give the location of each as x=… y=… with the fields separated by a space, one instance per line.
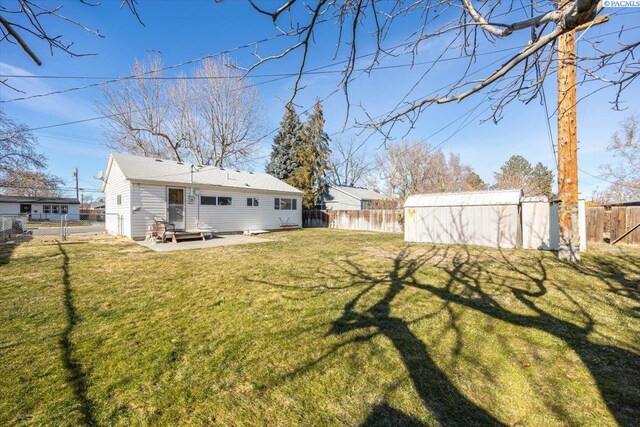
x=189 y=29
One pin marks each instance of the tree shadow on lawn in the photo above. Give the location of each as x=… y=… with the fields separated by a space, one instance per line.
x=608 y=268
x=76 y=377
x=6 y=249
x=613 y=369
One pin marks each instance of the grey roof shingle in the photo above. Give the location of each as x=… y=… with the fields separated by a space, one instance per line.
x=360 y=193
x=137 y=168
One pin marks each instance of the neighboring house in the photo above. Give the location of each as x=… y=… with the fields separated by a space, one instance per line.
x=99 y=206
x=40 y=208
x=139 y=190
x=349 y=198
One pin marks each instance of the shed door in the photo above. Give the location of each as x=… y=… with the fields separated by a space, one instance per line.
x=175 y=207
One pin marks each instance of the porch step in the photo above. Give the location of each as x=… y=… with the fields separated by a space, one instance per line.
x=186 y=235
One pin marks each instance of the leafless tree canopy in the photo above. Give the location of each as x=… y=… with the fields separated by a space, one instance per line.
x=215 y=118
x=348 y=165
x=27 y=22
x=411 y=167
x=464 y=27
x=624 y=172
x=31 y=184
x=17 y=147
x=21 y=166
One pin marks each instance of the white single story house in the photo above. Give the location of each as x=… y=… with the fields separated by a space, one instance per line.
x=40 y=208
x=346 y=198
x=139 y=190
x=498 y=218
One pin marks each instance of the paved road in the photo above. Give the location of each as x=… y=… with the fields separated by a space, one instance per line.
x=96 y=227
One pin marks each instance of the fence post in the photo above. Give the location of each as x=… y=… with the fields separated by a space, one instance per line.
x=63 y=227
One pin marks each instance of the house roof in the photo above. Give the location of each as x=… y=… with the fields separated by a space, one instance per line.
x=148 y=169
x=360 y=193
x=468 y=198
x=26 y=199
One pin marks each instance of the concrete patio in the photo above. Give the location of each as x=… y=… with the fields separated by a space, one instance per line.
x=217 y=241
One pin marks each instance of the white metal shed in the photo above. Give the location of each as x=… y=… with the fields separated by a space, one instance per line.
x=485 y=218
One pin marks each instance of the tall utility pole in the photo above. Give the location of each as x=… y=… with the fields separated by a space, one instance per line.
x=567 y=149
x=75 y=174
x=568 y=144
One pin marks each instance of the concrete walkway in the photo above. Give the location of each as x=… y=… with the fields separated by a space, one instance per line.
x=226 y=240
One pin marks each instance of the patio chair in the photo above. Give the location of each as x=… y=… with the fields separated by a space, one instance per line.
x=162 y=229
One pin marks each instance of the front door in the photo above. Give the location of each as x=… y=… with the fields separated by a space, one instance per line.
x=25 y=209
x=175 y=207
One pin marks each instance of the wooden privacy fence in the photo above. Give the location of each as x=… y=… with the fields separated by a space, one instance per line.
x=612 y=224
x=314 y=218
x=385 y=220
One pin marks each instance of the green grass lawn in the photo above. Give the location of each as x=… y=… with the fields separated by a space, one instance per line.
x=318 y=327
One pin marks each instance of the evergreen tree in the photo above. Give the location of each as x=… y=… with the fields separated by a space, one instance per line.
x=283 y=162
x=541 y=180
x=473 y=182
x=517 y=172
x=313 y=158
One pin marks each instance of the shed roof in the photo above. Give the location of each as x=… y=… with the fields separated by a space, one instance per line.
x=360 y=193
x=469 y=198
x=27 y=199
x=148 y=169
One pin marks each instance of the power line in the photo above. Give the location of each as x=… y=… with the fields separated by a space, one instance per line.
x=168 y=67
x=606 y=180
x=277 y=79
x=315 y=71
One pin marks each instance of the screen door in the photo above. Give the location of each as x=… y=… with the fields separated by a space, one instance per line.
x=175 y=207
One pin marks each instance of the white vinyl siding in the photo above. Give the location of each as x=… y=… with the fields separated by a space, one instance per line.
x=37 y=210
x=10 y=208
x=340 y=201
x=151 y=199
x=239 y=217
x=117 y=216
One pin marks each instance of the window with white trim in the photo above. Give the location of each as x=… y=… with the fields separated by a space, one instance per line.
x=215 y=200
x=252 y=201
x=65 y=209
x=285 y=204
x=55 y=209
x=46 y=209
